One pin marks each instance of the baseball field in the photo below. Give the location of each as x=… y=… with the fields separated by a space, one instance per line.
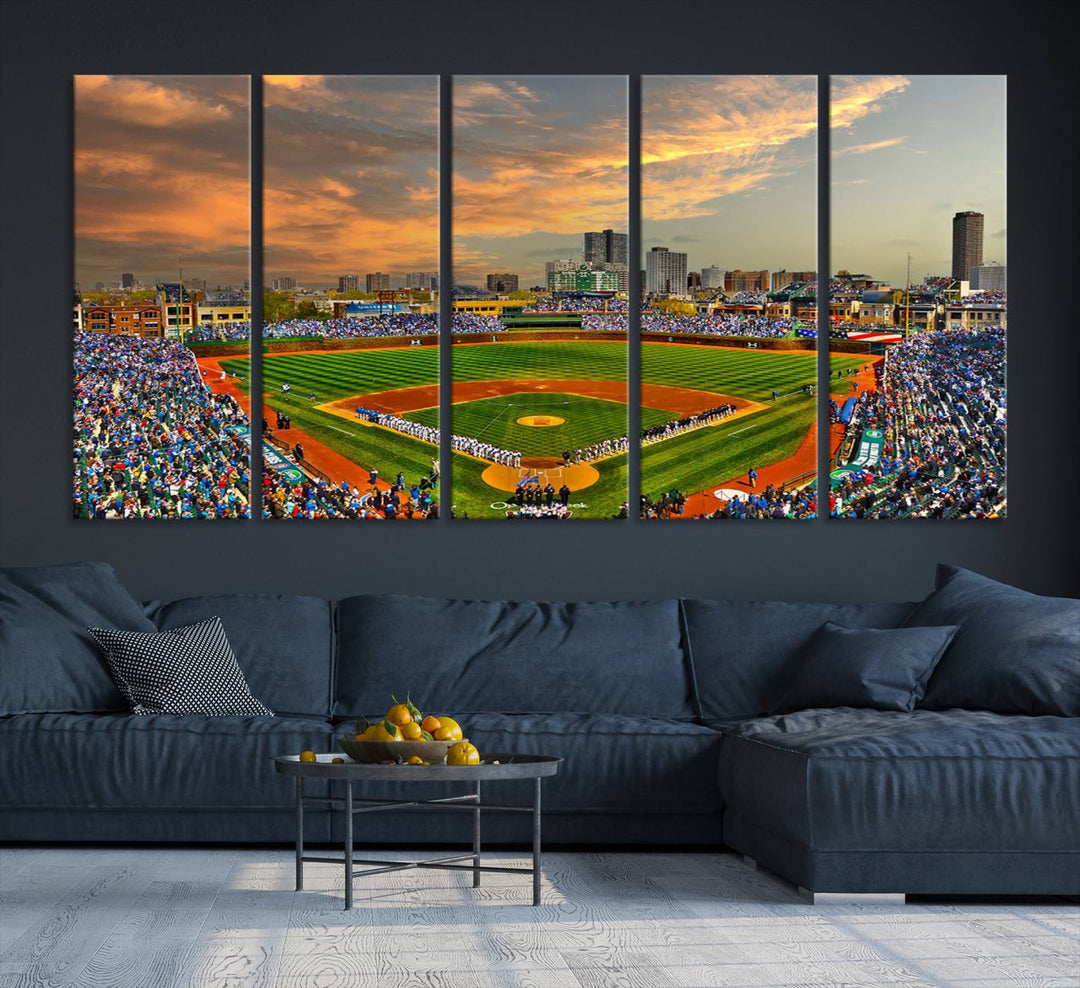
x=541 y=397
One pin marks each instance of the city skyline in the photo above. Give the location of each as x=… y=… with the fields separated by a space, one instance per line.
x=538 y=162
x=907 y=154
x=367 y=199
x=729 y=170
x=161 y=168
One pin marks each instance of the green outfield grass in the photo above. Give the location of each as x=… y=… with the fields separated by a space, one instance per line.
x=494 y=420
x=691 y=462
x=707 y=457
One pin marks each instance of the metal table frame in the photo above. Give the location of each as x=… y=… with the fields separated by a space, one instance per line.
x=468 y=803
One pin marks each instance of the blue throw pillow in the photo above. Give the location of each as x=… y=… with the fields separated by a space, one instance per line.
x=883 y=669
x=1015 y=652
x=742 y=651
x=48 y=662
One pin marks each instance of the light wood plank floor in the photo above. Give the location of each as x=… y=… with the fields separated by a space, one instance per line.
x=194 y=918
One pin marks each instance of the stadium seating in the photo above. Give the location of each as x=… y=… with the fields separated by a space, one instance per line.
x=663 y=710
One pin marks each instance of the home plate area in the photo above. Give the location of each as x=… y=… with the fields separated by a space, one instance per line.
x=543 y=470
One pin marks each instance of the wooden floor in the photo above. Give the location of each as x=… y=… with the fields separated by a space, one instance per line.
x=170 y=918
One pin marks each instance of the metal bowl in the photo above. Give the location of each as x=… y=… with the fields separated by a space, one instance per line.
x=377 y=752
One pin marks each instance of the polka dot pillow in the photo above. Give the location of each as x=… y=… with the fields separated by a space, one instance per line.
x=189 y=670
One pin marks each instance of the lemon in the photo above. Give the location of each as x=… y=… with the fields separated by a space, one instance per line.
x=462 y=753
x=399 y=714
x=448 y=730
x=385 y=731
x=411 y=731
x=308 y=756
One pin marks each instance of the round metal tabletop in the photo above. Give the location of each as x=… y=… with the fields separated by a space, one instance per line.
x=510 y=767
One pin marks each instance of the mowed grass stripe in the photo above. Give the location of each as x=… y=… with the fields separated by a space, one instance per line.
x=383 y=449
x=752 y=374
x=707 y=457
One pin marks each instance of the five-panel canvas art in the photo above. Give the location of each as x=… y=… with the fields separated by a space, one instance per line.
x=729 y=414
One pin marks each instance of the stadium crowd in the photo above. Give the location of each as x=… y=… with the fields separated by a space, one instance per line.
x=319 y=498
x=150 y=440
x=569 y=303
x=940 y=403
x=771 y=502
x=354 y=327
x=701 y=324
x=226 y=331
x=469 y=322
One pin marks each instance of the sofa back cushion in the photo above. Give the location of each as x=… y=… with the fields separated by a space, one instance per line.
x=480 y=656
x=1015 y=652
x=48 y=661
x=284 y=644
x=743 y=651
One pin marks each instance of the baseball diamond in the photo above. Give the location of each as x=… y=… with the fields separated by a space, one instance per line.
x=582 y=382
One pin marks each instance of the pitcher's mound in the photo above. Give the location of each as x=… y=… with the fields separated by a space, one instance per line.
x=540 y=420
x=547 y=470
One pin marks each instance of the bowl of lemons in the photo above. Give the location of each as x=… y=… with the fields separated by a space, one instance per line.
x=407 y=736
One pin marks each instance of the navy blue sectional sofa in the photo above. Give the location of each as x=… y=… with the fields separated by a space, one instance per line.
x=663 y=711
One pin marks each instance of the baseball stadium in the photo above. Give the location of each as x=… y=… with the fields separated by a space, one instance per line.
x=539 y=413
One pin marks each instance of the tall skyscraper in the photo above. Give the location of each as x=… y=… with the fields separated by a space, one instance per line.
x=967 y=244
x=665 y=272
x=377 y=281
x=348 y=283
x=127 y=280
x=606 y=247
x=284 y=284
x=502 y=282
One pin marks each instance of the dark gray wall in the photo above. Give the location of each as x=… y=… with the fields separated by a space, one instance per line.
x=45 y=43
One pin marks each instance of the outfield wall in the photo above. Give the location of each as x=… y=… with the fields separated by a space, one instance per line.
x=694 y=339
x=240 y=347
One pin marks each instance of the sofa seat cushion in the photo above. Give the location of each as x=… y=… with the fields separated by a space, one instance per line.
x=744 y=652
x=159 y=761
x=284 y=644
x=640 y=765
x=864 y=780
x=517 y=657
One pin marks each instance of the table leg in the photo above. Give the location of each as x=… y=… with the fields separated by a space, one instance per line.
x=536 y=841
x=299 y=833
x=348 y=844
x=476 y=840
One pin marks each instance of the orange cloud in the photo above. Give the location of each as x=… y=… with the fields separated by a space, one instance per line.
x=888 y=142
x=161 y=169
x=526 y=162
x=351 y=175
x=705 y=137
x=148 y=102
x=853 y=97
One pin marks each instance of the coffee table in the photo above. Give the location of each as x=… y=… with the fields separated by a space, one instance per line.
x=535 y=767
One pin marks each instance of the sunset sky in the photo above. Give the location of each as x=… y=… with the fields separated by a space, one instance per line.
x=352 y=176
x=907 y=154
x=729 y=169
x=538 y=161
x=161 y=172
